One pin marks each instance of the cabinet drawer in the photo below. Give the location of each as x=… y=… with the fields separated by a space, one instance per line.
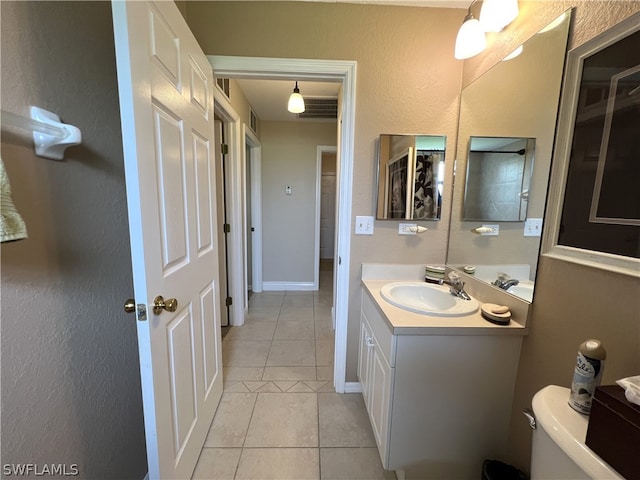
x=380 y=329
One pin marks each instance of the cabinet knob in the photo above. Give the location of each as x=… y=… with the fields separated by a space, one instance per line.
x=369 y=342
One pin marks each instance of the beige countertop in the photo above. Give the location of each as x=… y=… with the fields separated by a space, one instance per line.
x=404 y=322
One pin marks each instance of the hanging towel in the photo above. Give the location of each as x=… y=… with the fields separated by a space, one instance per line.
x=12 y=226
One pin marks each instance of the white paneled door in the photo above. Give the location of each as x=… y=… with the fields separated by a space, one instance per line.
x=166 y=102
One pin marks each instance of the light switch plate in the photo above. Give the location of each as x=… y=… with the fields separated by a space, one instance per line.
x=364 y=225
x=533 y=227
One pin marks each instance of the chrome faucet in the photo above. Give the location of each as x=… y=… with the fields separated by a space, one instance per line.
x=456 y=285
x=504 y=282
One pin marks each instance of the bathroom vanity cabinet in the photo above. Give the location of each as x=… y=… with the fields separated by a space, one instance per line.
x=439 y=398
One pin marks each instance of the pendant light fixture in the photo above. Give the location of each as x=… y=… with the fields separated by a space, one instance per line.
x=296 y=102
x=497 y=14
x=470 y=40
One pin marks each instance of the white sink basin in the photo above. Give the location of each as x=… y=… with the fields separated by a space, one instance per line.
x=523 y=290
x=427 y=299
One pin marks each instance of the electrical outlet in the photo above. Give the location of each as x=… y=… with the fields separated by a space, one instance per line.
x=533 y=227
x=364 y=225
x=407 y=229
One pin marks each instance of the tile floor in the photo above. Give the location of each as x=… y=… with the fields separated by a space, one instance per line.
x=279 y=417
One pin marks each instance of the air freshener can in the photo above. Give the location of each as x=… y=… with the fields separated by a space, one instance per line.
x=587 y=375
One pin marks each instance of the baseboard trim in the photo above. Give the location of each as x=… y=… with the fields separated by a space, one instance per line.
x=291 y=286
x=352 y=387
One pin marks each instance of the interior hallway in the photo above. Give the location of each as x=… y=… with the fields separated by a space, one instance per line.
x=279 y=417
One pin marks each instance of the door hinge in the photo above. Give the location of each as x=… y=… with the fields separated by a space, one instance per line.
x=224 y=148
x=229 y=301
x=227 y=228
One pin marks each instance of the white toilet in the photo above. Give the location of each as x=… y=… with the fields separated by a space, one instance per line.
x=558 y=449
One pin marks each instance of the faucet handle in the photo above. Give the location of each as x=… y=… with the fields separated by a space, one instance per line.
x=454 y=278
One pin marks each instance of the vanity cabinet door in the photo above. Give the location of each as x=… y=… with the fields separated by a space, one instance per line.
x=364 y=359
x=376 y=378
x=380 y=380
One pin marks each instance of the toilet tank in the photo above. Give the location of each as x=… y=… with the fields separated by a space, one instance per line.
x=558 y=448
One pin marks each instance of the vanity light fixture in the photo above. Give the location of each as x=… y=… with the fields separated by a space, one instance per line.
x=470 y=40
x=296 y=102
x=497 y=14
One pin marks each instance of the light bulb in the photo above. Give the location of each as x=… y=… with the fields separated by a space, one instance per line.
x=296 y=102
x=470 y=40
x=497 y=14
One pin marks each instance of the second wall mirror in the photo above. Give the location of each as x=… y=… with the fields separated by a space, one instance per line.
x=410 y=177
x=498 y=178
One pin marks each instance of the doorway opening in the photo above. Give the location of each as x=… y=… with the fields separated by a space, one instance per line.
x=320 y=70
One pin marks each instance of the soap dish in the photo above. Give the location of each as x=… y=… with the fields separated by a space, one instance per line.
x=499 y=314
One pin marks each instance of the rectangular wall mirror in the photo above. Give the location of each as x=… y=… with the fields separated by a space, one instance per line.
x=410 y=177
x=498 y=178
x=515 y=99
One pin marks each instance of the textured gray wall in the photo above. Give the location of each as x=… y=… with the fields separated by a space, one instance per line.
x=70 y=378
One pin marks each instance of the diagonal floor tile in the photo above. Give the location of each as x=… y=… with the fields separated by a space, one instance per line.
x=292 y=353
x=231 y=420
x=245 y=353
x=217 y=464
x=352 y=464
x=296 y=313
x=289 y=373
x=253 y=331
x=279 y=464
x=344 y=421
x=294 y=330
x=284 y=420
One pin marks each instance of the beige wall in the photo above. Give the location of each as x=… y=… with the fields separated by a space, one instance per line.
x=407 y=82
x=241 y=105
x=289 y=157
x=572 y=302
x=70 y=379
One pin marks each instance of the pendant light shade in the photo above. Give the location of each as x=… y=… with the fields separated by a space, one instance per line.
x=513 y=54
x=470 y=40
x=296 y=102
x=497 y=14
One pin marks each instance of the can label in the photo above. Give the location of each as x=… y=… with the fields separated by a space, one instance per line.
x=586 y=378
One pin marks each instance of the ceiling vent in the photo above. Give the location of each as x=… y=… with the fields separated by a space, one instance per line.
x=320 y=108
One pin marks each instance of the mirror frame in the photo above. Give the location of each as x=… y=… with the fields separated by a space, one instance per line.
x=562 y=153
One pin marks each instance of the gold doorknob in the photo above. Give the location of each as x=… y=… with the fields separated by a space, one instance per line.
x=130 y=305
x=159 y=304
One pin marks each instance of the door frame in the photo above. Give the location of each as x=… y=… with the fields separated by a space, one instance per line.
x=343 y=71
x=255 y=167
x=319 y=151
x=235 y=188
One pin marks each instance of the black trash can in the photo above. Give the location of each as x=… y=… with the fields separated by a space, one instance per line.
x=497 y=470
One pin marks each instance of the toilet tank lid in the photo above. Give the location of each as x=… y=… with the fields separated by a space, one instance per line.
x=568 y=429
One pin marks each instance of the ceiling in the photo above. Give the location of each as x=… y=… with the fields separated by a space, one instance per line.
x=269 y=97
x=408 y=3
